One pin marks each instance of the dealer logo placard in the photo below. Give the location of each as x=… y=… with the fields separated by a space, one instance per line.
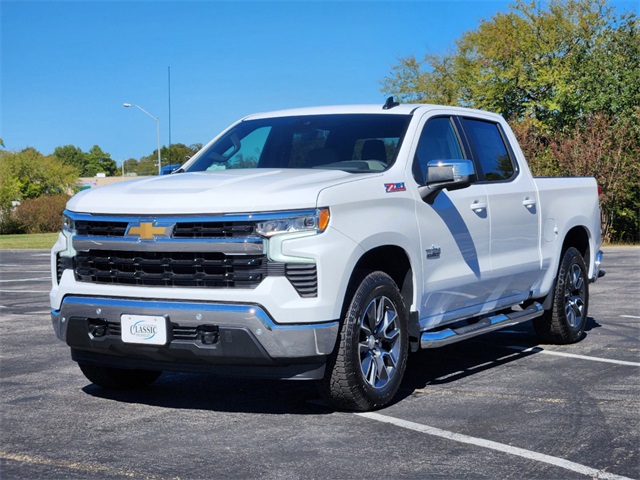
x=144 y=329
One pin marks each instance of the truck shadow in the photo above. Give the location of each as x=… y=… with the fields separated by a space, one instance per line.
x=215 y=393
x=454 y=362
x=209 y=392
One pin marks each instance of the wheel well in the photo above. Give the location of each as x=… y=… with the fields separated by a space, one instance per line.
x=578 y=238
x=393 y=261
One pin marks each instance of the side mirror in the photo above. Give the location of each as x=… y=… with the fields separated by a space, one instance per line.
x=449 y=175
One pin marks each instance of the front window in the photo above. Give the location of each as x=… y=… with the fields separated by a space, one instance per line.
x=489 y=149
x=357 y=143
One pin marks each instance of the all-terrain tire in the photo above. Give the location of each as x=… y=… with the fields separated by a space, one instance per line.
x=366 y=367
x=564 y=322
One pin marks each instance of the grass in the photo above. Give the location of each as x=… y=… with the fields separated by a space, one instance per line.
x=28 y=241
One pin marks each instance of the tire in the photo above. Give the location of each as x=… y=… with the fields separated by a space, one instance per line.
x=564 y=322
x=366 y=367
x=118 y=378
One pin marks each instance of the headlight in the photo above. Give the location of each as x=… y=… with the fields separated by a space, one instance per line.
x=68 y=224
x=316 y=222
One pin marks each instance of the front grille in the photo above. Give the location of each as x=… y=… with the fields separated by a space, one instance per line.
x=127 y=261
x=101 y=229
x=95 y=228
x=179 y=269
x=184 y=333
x=214 y=230
x=207 y=334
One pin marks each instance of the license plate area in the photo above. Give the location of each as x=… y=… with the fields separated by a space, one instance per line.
x=144 y=329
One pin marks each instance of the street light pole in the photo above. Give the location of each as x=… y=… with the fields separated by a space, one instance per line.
x=127 y=105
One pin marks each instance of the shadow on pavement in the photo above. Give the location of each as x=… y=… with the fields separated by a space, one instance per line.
x=427 y=367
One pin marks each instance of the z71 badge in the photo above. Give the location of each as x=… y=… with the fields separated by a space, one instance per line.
x=394 y=187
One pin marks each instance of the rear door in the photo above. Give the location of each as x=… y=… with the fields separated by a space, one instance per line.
x=513 y=210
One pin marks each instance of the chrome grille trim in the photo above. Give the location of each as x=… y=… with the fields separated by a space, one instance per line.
x=239 y=246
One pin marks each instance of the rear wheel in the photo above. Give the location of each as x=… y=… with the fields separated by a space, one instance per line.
x=564 y=322
x=118 y=378
x=366 y=368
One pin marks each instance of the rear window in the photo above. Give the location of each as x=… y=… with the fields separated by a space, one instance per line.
x=357 y=143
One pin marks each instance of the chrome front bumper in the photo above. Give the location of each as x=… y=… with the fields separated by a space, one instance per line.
x=218 y=334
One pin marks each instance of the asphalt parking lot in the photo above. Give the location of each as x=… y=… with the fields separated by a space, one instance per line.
x=498 y=406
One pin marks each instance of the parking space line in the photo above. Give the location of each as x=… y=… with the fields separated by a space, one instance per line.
x=37 y=279
x=629 y=316
x=70 y=465
x=571 y=355
x=500 y=447
x=24 y=291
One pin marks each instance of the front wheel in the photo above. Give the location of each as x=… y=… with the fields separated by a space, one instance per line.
x=118 y=378
x=366 y=368
x=564 y=322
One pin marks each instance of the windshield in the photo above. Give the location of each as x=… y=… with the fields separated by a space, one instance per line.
x=358 y=143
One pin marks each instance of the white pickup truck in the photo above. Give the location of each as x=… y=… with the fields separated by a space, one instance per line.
x=325 y=244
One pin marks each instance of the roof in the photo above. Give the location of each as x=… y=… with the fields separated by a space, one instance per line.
x=402 y=109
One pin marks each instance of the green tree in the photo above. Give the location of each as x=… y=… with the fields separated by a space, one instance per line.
x=549 y=64
x=566 y=75
x=98 y=161
x=130 y=166
x=178 y=153
x=29 y=174
x=87 y=163
x=72 y=156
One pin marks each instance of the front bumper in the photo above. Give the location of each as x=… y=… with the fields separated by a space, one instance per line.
x=239 y=339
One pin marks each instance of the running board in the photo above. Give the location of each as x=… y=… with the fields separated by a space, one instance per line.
x=444 y=337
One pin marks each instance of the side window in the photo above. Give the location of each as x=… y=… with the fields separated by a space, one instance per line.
x=489 y=149
x=438 y=141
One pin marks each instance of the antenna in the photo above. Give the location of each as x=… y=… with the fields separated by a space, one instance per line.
x=390 y=103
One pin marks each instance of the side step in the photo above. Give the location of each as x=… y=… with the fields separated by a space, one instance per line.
x=444 y=337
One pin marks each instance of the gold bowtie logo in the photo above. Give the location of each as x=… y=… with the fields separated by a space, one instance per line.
x=147 y=231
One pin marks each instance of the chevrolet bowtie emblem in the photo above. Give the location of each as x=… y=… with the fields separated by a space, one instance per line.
x=148 y=230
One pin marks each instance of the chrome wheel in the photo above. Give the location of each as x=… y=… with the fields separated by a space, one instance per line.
x=574 y=296
x=379 y=342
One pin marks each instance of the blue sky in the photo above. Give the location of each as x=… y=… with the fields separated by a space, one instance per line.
x=67 y=67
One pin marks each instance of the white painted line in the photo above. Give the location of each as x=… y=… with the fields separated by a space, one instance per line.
x=24 y=291
x=38 y=279
x=26 y=271
x=571 y=355
x=630 y=316
x=500 y=447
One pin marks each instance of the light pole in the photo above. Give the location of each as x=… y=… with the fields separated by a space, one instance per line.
x=127 y=105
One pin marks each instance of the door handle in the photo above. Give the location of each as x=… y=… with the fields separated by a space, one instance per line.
x=478 y=206
x=529 y=202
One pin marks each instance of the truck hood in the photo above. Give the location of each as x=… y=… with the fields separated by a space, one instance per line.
x=229 y=191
